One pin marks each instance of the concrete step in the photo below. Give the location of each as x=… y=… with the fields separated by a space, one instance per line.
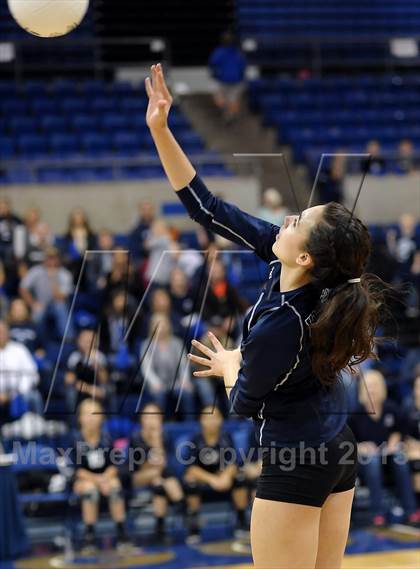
x=247 y=136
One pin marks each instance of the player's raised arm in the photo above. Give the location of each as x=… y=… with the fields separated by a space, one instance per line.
x=205 y=208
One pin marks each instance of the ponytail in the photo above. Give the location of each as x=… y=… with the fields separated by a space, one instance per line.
x=348 y=313
x=343 y=334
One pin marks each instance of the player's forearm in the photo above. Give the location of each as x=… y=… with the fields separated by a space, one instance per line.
x=175 y=162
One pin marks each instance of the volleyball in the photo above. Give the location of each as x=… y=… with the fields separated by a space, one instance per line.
x=48 y=18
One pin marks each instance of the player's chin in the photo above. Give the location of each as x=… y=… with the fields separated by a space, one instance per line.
x=276 y=248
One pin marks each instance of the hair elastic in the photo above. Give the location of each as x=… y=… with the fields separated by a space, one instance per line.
x=354 y=280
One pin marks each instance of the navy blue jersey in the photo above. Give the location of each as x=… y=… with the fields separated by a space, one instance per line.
x=212 y=458
x=275 y=384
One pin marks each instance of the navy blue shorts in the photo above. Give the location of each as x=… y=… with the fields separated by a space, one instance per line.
x=309 y=475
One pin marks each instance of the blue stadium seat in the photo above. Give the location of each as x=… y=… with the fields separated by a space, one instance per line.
x=7 y=146
x=32 y=145
x=96 y=143
x=63 y=145
x=84 y=122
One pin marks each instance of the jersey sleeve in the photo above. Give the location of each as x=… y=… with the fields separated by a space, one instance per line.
x=228 y=220
x=270 y=354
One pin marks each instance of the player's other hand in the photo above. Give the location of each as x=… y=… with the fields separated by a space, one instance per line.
x=160 y=99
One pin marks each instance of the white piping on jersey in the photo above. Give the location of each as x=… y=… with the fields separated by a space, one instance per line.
x=213 y=220
x=275 y=261
x=260 y=415
x=291 y=370
x=254 y=309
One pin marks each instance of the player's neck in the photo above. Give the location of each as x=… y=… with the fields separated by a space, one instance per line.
x=291 y=279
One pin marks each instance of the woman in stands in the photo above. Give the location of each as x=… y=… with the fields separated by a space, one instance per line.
x=212 y=467
x=95 y=475
x=316 y=315
x=379 y=426
x=155 y=450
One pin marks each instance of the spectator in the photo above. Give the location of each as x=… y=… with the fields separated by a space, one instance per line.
x=222 y=298
x=18 y=377
x=122 y=276
x=159 y=244
x=330 y=179
x=95 y=474
x=212 y=467
x=139 y=233
x=21 y=327
x=250 y=469
x=9 y=221
x=78 y=239
x=161 y=304
x=120 y=339
x=375 y=163
x=182 y=301
x=46 y=290
x=119 y=318
x=209 y=388
x=188 y=260
x=38 y=242
x=155 y=451
x=99 y=264
x=165 y=367
x=413 y=436
x=403 y=244
x=379 y=427
x=227 y=65
x=25 y=234
x=272 y=209
x=4 y=300
x=79 y=236
x=86 y=375
x=406 y=162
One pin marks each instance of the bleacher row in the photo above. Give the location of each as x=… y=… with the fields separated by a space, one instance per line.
x=71 y=121
x=269 y=18
x=339 y=112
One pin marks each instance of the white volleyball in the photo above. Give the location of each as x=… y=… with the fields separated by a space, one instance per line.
x=48 y=18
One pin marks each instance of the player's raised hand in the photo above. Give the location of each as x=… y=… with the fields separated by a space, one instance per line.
x=160 y=99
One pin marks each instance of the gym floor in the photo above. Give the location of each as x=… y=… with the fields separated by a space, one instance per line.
x=395 y=547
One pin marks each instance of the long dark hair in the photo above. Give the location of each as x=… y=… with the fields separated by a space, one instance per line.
x=348 y=314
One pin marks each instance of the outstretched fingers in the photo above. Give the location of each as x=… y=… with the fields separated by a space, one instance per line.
x=202 y=348
x=162 y=82
x=216 y=343
x=149 y=88
x=198 y=360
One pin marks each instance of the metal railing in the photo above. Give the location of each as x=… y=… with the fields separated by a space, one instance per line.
x=32 y=168
x=318 y=53
x=67 y=57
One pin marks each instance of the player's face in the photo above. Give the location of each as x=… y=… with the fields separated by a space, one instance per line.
x=293 y=234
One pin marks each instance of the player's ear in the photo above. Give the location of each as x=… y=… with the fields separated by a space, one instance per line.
x=305 y=260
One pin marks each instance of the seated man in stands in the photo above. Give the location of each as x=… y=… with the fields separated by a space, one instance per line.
x=212 y=466
x=154 y=450
x=18 y=377
x=379 y=427
x=95 y=475
x=46 y=289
